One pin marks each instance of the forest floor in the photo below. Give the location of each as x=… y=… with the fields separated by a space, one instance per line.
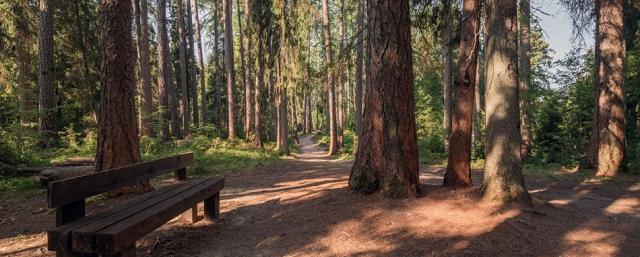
x=301 y=207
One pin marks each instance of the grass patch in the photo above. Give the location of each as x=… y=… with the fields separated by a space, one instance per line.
x=348 y=150
x=18 y=186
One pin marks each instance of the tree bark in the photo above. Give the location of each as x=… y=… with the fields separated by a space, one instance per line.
x=185 y=109
x=201 y=70
x=228 y=58
x=387 y=157
x=476 y=138
x=525 y=75
x=611 y=110
x=247 y=68
x=447 y=74
x=23 y=40
x=146 y=97
x=217 y=102
x=259 y=84
x=341 y=78
x=118 y=140
x=331 y=97
x=164 y=78
x=503 y=180
x=359 y=62
x=47 y=134
x=193 y=69
x=459 y=166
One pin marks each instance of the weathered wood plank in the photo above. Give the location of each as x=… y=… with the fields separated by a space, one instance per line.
x=73 y=189
x=126 y=232
x=83 y=238
x=58 y=238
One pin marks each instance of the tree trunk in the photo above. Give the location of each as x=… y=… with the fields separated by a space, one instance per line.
x=503 y=180
x=172 y=96
x=216 y=56
x=247 y=67
x=164 y=79
x=476 y=137
x=331 y=97
x=47 y=134
x=118 y=140
x=447 y=75
x=612 y=122
x=359 y=62
x=259 y=84
x=459 y=167
x=227 y=9
x=23 y=63
x=203 y=86
x=341 y=78
x=281 y=105
x=185 y=109
x=387 y=157
x=146 y=97
x=193 y=69
x=525 y=75
x=273 y=123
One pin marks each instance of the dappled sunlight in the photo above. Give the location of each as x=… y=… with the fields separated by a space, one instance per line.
x=591 y=242
x=625 y=205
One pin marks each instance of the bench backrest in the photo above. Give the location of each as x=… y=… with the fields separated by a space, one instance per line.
x=71 y=190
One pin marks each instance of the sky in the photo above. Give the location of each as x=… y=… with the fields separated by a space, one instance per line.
x=557 y=27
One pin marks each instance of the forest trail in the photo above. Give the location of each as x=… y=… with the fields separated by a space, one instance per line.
x=301 y=207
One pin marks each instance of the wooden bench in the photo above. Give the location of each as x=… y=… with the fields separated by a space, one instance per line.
x=114 y=232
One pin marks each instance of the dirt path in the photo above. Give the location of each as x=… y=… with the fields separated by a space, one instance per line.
x=301 y=207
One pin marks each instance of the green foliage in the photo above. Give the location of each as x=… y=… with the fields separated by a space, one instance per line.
x=24 y=186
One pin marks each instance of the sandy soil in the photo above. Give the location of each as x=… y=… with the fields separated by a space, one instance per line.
x=302 y=207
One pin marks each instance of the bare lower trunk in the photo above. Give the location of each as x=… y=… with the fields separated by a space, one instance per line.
x=259 y=84
x=281 y=105
x=459 y=167
x=48 y=101
x=118 y=140
x=193 y=69
x=228 y=58
x=612 y=122
x=146 y=97
x=525 y=75
x=246 y=47
x=359 y=63
x=164 y=80
x=447 y=75
x=23 y=64
x=203 y=87
x=185 y=107
x=331 y=96
x=503 y=180
x=387 y=157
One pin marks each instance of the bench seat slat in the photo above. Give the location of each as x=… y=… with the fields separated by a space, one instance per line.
x=58 y=238
x=83 y=238
x=124 y=233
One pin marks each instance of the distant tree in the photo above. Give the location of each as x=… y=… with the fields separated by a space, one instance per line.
x=185 y=109
x=387 y=157
x=47 y=88
x=331 y=96
x=447 y=73
x=146 y=97
x=227 y=9
x=165 y=80
x=503 y=179
x=201 y=70
x=524 y=69
x=23 y=57
x=193 y=90
x=118 y=139
x=459 y=166
x=359 y=63
x=247 y=62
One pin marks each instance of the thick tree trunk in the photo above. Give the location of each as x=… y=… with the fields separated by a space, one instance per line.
x=146 y=97
x=185 y=108
x=459 y=167
x=172 y=96
x=342 y=67
x=387 y=157
x=227 y=9
x=611 y=110
x=591 y=158
x=447 y=74
x=503 y=180
x=359 y=62
x=476 y=138
x=164 y=78
x=273 y=123
x=47 y=133
x=201 y=71
x=193 y=69
x=217 y=102
x=525 y=75
x=118 y=139
x=331 y=97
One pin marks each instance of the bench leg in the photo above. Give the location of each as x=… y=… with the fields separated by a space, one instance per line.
x=191 y=215
x=212 y=207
